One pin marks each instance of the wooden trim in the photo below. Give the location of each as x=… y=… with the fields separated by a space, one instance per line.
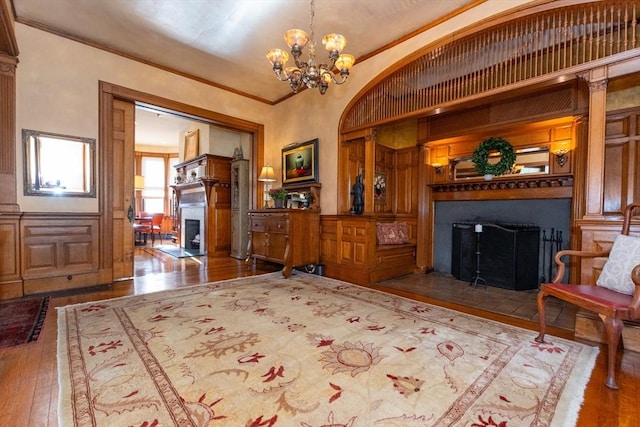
x=8 y=42
x=540 y=187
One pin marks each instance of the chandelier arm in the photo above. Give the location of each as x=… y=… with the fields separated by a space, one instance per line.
x=281 y=74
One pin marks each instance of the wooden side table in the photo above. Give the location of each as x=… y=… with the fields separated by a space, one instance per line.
x=290 y=237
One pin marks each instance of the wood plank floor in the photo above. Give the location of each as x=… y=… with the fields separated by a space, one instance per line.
x=28 y=373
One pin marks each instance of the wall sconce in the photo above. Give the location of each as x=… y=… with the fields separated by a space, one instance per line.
x=439 y=164
x=561 y=156
x=561 y=150
x=267 y=175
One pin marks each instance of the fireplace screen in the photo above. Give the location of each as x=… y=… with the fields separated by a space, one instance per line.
x=508 y=254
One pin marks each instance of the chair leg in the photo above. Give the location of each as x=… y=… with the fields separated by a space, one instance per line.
x=542 y=300
x=613 y=331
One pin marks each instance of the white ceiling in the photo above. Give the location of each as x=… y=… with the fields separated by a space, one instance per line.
x=160 y=129
x=225 y=41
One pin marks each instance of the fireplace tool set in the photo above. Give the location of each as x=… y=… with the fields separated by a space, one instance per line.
x=554 y=242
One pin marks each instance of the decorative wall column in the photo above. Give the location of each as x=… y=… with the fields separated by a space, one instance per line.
x=10 y=274
x=594 y=184
x=8 y=200
x=369 y=170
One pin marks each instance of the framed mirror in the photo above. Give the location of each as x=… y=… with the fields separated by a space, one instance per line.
x=58 y=165
x=529 y=161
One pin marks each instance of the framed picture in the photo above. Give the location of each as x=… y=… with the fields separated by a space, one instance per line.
x=380 y=187
x=191 y=144
x=300 y=162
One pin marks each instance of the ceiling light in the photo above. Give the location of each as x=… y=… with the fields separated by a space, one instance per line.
x=310 y=73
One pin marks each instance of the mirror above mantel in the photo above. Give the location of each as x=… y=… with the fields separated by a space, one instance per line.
x=529 y=161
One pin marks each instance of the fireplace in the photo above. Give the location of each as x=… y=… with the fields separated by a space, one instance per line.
x=546 y=214
x=192 y=234
x=193 y=228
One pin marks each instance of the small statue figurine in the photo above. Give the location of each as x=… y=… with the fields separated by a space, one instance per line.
x=358 y=196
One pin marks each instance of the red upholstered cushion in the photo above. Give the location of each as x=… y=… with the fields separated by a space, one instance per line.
x=392 y=233
x=596 y=294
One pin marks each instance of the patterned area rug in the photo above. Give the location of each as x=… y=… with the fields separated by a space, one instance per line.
x=21 y=320
x=307 y=351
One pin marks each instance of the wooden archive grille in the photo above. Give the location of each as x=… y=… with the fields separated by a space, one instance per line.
x=540 y=44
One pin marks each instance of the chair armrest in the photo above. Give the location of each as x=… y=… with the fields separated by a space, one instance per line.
x=634 y=307
x=570 y=252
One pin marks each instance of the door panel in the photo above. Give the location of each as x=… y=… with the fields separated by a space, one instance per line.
x=121 y=183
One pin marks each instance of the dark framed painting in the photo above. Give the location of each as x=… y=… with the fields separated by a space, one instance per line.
x=300 y=162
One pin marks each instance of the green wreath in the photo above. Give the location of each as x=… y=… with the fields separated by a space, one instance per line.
x=481 y=156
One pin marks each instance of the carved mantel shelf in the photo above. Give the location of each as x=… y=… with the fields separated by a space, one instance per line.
x=191 y=192
x=541 y=187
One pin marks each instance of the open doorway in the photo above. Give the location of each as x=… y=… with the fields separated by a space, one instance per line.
x=162 y=142
x=116 y=157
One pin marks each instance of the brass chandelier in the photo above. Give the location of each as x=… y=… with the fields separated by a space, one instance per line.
x=310 y=73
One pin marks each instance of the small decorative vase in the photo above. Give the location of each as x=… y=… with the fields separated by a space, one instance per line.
x=488 y=177
x=299 y=162
x=278 y=203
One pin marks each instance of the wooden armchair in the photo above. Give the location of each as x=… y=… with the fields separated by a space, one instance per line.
x=612 y=305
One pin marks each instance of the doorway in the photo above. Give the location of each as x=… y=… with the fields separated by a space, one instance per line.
x=116 y=183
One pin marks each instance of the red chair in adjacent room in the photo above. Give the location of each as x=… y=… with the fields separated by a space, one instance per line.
x=616 y=296
x=156 y=227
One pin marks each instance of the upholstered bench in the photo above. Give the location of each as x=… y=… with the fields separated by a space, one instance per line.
x=395 y=253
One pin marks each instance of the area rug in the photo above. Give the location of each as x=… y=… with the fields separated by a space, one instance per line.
x=21 y=320
x=307 y=351
x=181 y=252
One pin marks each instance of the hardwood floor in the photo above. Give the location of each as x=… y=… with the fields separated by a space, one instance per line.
x=28 y=373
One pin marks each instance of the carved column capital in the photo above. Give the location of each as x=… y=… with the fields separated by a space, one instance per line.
x=597 y=78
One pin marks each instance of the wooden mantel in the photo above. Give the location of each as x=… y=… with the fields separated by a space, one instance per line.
x=508 y=188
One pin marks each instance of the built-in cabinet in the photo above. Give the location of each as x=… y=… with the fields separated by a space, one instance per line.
x=289 y=237
x=239 y=208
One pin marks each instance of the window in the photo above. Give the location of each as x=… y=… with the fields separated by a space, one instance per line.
x=158 y=173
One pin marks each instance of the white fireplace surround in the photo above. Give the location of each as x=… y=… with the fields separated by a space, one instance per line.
x=194 y=213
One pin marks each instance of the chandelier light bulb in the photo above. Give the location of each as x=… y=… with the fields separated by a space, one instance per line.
x=311 y=73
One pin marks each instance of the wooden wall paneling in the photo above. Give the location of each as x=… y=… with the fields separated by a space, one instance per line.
x=615 y=177
x=60 y=251
x=621 y=160
x=219 y=221
x=385 y=164
x=10 y=275
x=355 y=155
x=328 y=239
x=406 y=181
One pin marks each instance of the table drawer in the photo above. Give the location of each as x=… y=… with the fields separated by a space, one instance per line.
x=278 y=225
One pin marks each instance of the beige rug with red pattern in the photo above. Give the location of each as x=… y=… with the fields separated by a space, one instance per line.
x=307 y=351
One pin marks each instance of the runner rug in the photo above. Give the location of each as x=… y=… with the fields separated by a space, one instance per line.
x=307 y=351
x=21 y=320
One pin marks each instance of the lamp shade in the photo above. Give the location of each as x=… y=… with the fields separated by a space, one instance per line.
x=345 y=62
x=138 y=182
x=267 y=174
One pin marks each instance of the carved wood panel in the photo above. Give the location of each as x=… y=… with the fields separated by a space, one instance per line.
x=621 y=161
x=10 y=280
x=58 y=246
